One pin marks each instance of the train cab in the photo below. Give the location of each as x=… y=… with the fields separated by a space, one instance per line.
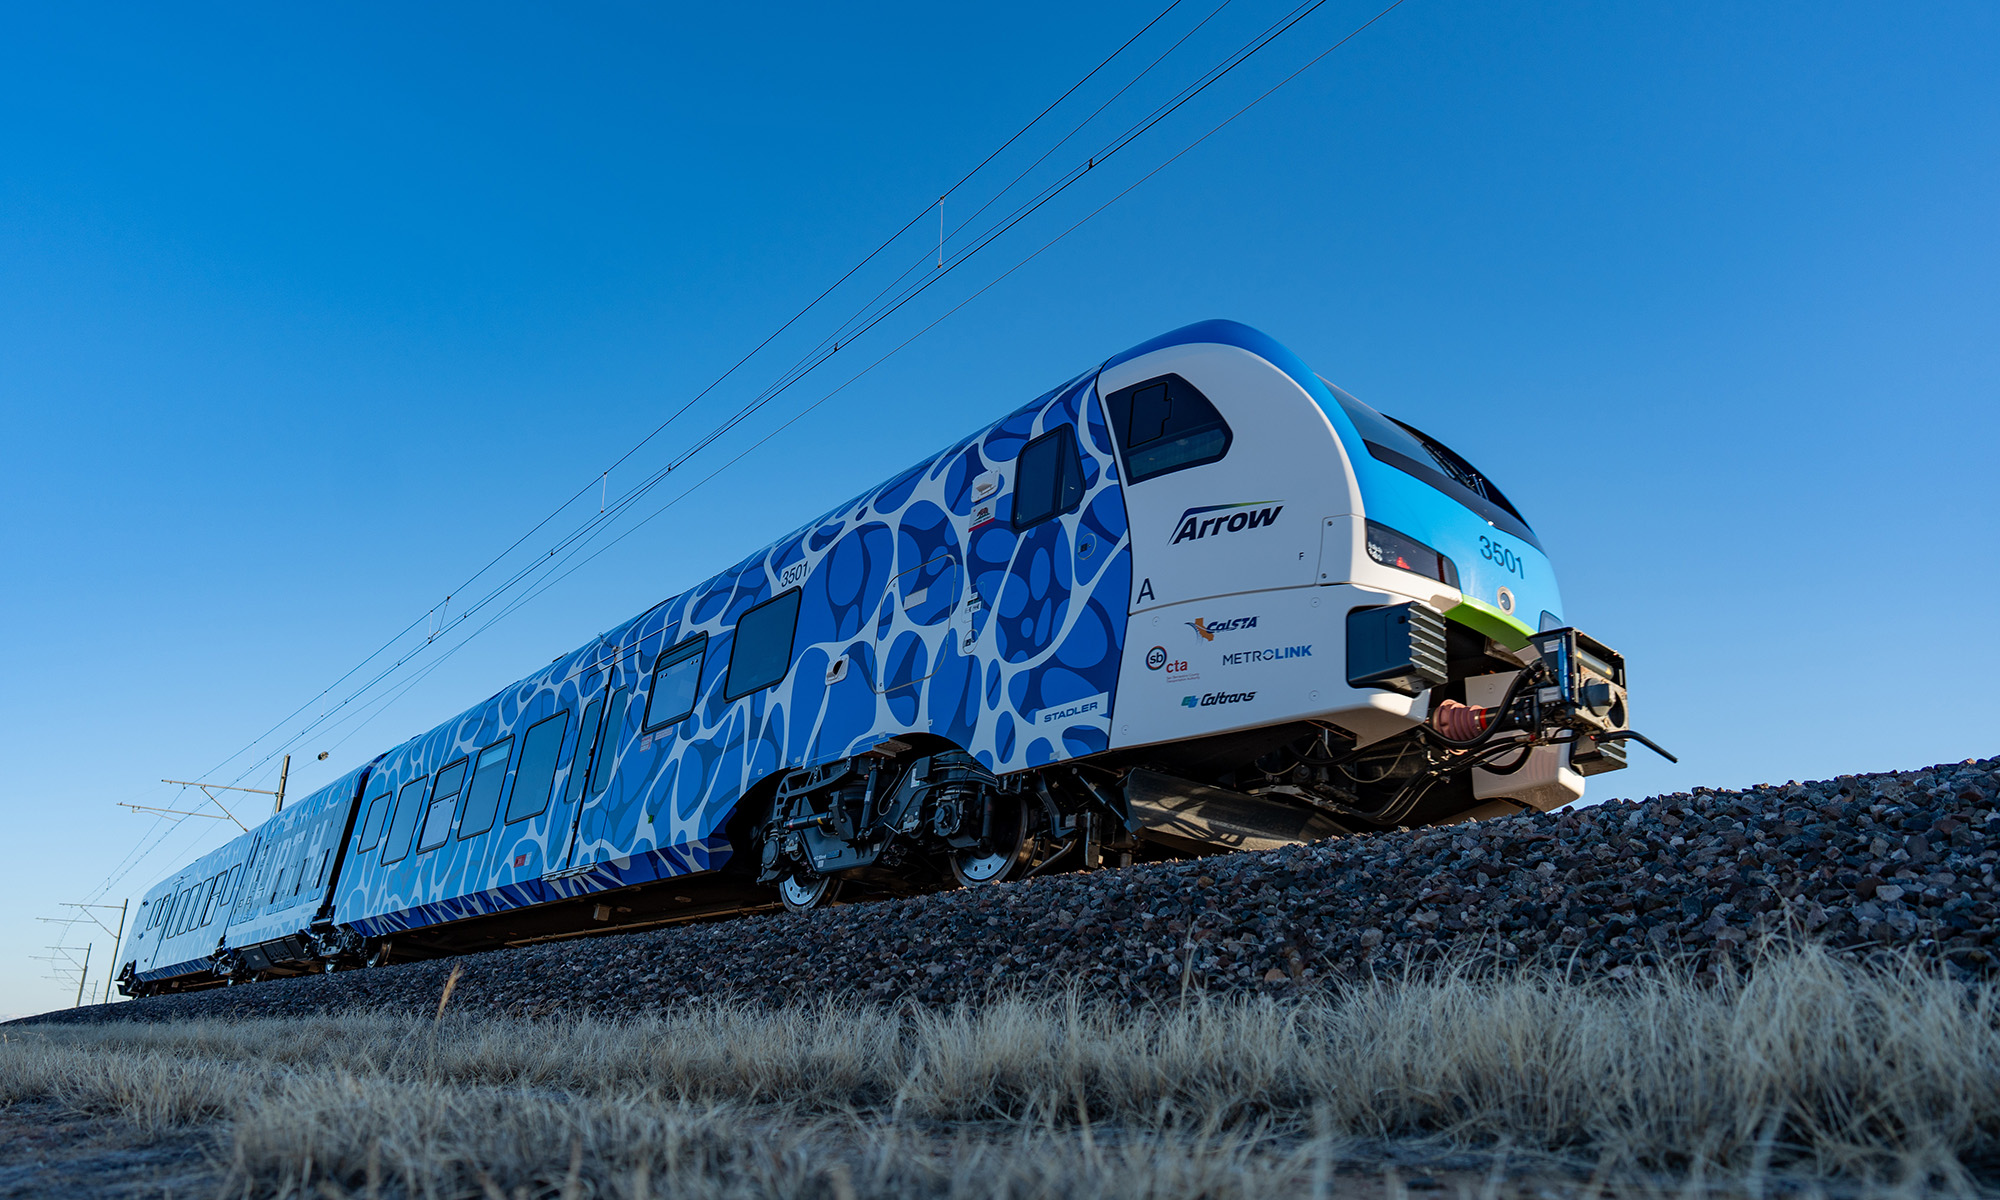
x=1270 y=514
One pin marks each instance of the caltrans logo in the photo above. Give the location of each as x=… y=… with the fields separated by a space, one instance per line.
x=1210 y=699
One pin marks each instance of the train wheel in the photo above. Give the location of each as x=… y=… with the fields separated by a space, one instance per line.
x=804 y=893
x=1006 y=856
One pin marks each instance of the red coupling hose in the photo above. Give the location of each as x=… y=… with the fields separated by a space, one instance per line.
x=1459 y=722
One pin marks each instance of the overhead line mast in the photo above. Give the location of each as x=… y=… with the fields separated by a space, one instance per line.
x=284 y=773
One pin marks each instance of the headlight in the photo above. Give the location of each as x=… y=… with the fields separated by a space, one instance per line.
x=1405 y=553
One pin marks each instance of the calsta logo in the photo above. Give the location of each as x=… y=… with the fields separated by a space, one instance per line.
x=1208 y=629
x=1231 y=518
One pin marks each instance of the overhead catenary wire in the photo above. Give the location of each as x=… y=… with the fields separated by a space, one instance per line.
x=841 y=334
x=156 y=835
x=796 y=316
x=548 y=582
x=803 y=367
x=800 y=371
x=1230 y=62
x=870 y=316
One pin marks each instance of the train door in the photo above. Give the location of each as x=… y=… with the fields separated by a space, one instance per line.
x=590 y=775
x=162 y=915
x=1230 y=472
x=916 y=602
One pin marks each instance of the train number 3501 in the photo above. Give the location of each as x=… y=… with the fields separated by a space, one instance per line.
x=1502 y=557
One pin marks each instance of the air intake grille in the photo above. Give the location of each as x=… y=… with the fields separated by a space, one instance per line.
x=1400 y=648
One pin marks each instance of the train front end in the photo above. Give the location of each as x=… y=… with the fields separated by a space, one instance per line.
x=1334 y=608
x=1520 y=708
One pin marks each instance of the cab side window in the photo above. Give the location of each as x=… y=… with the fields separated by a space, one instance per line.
x=1165 y=425
x=1048 y=477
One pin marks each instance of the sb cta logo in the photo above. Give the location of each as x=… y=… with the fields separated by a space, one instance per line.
x=1177 y=669
x=1211 y=699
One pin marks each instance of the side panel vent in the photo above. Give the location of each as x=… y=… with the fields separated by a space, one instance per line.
x=1400 y=647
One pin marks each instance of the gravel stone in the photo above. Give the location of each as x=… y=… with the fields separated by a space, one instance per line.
x=1693 y=880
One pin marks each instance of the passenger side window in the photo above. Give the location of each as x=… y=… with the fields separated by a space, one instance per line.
x=207 y=901
x=371 y=825
x=408 y=801
x=1048 y=477
x=541 y=751
x=444 y=801
x=676 y=678
x=586 y=741
x=1166 y=425
x=482 y=799
x=607 y=746
x=763 y=650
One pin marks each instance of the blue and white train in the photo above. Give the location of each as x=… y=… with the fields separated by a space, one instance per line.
x=1194 y=599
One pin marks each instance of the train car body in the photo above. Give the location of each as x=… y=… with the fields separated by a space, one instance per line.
x=294 y=862
x=1196 y=598
x=181 y=921
x=916 y=607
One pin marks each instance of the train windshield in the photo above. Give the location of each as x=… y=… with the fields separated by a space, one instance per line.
x=1414 y=452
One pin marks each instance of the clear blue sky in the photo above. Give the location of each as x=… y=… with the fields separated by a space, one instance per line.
x=305 y=314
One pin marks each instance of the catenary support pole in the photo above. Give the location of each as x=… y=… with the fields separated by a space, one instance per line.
x=117 y=944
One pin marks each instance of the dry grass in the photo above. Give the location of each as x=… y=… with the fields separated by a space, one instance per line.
x=1807 y=1073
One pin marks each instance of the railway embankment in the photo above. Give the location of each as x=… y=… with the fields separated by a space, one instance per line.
x=1695 y=881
